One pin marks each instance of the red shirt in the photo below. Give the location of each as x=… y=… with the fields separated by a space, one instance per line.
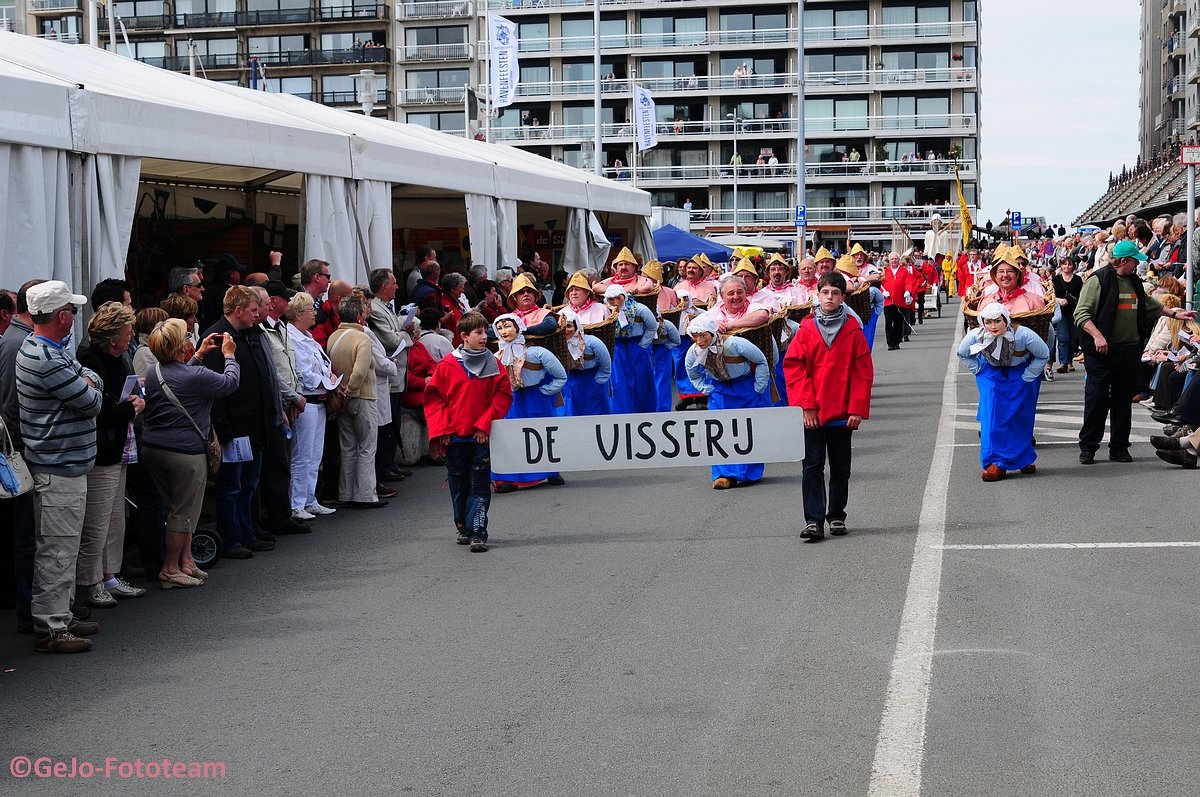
x=459 y=404
x=835 y=381
x=896 y=284
x=420 y=365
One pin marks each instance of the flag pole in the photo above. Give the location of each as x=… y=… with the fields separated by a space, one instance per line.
x=634 y=152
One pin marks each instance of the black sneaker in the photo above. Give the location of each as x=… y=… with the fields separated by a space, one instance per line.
x=478 y=545
x=811 y=531
x=461 y=537
x=1120 y=456
x=237 y=552
x=1087 y=458
x=264 y=536
x=83 y=627
x=61 y=642
x=258 y=546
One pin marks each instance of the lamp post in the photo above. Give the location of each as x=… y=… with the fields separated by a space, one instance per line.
x=364 y=82
x=800 y=124
x=734 y=162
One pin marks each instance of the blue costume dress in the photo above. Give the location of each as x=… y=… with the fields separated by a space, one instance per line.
x=586 y=392
x=632 y=368
x=744 y=385
x=542 y=378
x=876 y=312
x=664 y=366
x=1008 y=395
x=679 y=355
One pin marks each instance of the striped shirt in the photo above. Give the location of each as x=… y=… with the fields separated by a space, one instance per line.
x=58 y=408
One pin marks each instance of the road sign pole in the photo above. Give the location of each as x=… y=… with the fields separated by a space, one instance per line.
x=1191 y=230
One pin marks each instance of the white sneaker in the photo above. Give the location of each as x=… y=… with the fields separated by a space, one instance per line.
x=317 y=509
x=98 y=597
x=300 y=514
x=1049 y=373
x=123 y=589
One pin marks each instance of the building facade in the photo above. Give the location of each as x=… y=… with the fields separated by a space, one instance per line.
x=891 y=94
x=1168 y=74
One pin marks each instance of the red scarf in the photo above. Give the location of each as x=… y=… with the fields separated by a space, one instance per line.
x=585 y=306
x=1006 y=297
x=521 y=314
x=618 y=281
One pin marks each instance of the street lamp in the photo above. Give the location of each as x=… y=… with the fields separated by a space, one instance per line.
x=364 y=82
x=800 y=159
x=735 y=163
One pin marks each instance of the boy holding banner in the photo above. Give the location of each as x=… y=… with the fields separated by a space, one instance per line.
x=468 y=390
x=829 y=375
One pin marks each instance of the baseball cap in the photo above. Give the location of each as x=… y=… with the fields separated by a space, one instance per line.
x=1128 y=249
x=277 y=288
x=46 y=297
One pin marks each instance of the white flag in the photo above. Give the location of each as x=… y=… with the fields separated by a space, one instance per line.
x=645 y=125
x=502 y=50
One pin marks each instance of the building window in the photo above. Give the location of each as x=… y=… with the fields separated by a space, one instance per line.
x=752 y=28
x=296 y=86
x=671 y=31
x=263 y=45
x=533 y=36
x=835 y=114
x=828 y=24
x=447 y=122
x=342 y=89
x=916 y=21
x=970 y=11
x=838 y=64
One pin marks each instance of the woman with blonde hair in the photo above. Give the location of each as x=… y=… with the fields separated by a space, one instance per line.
x=102 y=543
x=179 y=396
x=1162 y=356
x=314 y=374
x=143 y=324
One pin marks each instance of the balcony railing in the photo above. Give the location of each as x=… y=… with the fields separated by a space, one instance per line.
x=1193 y=118
x=437 y=9
x=436 y=52
x=147 y=22
x=723 y=173
x=38 y=6
x=6 y=23
x=1174 y=85
x=941 y=124
x=450 y=95
x=276 y=16
x=382 y=97
x=181 y=63
x=349 y=55
x=907 y=214
x=65 y=38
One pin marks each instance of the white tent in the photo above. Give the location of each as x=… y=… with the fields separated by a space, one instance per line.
x=80 y=118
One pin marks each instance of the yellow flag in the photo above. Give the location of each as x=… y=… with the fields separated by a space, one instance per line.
x=964 y=213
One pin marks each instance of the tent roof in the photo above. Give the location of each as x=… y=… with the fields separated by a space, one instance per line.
x=673 y=243
x=89 y=100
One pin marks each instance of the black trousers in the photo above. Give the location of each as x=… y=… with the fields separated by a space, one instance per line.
x=273 y=497
x=893 y=325
x=832 y=443
x=1188 y=405
x=1112 y=381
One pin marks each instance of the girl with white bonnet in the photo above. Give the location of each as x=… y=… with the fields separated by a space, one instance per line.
x=734 y=374
x=689 y=394
x=632 y=368
x=537 y=377
x=1007 y=362
x=589 y=368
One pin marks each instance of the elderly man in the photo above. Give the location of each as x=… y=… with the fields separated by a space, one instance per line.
x=338 y=290
x=59 y=401
x=806 y=275
x=1117 y=316
x=779 y=285
x=701 y=290
x=386 y=325
x=350 y=353
x=625 y=274
x=899 y=286
x=428 y=291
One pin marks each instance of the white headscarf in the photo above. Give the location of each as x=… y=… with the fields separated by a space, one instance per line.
x=511 y=351
x=985 y=338
x=612 y=292
x=575 y=343
x=706 y=323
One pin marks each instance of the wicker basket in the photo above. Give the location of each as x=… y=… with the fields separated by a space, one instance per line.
x=797 y=313
x=606 y=331
x=555 y=343
x=1038 y=321
x=673 y=314
x=860 y=302
x=648 y=299
x=762 y=335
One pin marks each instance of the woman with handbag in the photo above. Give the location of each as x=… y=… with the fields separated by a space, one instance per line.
x=314 y=372
x=177 y=436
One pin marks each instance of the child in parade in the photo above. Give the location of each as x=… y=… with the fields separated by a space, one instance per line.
x=467 y=391
x=536 y=377
x=1007 y=362
x=829 y=375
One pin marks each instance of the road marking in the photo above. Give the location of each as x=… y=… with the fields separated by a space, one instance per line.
x=900 y=747
x=1066 y=546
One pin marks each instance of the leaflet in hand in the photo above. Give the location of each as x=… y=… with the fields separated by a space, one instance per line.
x=131 y=387
x=403 y=345
x=331 y=382
x=237 y=450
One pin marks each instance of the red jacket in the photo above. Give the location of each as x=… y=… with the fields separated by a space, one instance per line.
x=835 y=381
x=420 y=365
x=896 y=284
x=933 y=276
x=965 y=277
x=460 y=405
x=323 y=330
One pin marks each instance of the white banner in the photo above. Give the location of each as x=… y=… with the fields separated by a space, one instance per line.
x=645 y=125
x=504 y=73
x=648 y=440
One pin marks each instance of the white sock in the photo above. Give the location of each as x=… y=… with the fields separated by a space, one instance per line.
x=112 y=582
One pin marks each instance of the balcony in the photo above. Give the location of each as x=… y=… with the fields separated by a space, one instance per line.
x=856 y=127
x=818 y=173
x=213 y=19
x=382 y=97
x=1173 y=126
x=439 y=9
x=342 y=13
x=65 y=38
x=436 y=52
x=43 y=6
x=278 y=16
x=155 y=22
x=182 y=63
x=450 y=95
x=349 y=55
x=1174 y=85
x=1193 y=119
x=880 y=214
x=6 y=23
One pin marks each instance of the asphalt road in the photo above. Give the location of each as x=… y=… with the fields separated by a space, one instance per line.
x=641 y=634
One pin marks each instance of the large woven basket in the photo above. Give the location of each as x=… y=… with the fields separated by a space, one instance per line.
x=762 y=335
x=1038 y=321
x=860 y=302
x=673 y=314
x=605 y=330
x=555 y=343
x=797 y=313
x=648 y=299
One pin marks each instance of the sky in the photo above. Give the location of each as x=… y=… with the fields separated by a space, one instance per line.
x=1058 y=104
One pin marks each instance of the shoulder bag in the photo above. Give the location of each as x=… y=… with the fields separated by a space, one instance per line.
x=212 y=446
x=15 y=478
x=335 y=400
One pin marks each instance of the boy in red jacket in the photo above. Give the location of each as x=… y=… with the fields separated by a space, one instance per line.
x=829 y=375
x=468 y=390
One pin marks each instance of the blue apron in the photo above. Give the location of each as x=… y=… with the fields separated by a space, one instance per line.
x=632 y=377
x=1007 y=411
x=528 y=402
x=582 y=396
x=737 y=394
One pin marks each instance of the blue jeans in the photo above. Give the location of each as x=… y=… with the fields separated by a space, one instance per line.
x=1064 y=329
x=17 y=527
x=469 y=474
x=236 y=484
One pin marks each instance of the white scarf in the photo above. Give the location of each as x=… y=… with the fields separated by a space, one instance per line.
x=986 y=339
x=576 y=343
x=511 y=351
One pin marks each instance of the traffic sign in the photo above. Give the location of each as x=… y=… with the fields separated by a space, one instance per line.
x=1016 y=220
x=801 y=215
x=1189 y=155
